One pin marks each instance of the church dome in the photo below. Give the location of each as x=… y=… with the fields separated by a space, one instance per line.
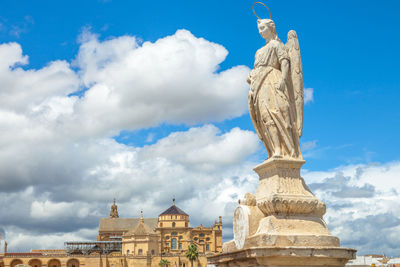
x=173 y=210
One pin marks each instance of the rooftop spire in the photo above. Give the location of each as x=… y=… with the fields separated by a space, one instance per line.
x=114 y=211
x=141 y=217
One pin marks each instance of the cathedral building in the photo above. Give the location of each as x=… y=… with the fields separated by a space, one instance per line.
x=126 y=242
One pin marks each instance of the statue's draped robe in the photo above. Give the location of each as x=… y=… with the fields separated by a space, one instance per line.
x=271 y=107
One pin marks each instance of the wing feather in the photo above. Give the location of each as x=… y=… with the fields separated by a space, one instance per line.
x=296 y=69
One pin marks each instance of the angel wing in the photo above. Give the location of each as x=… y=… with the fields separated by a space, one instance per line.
x=296 y=69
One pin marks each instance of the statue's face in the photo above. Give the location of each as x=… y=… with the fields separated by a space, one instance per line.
x=264 y=29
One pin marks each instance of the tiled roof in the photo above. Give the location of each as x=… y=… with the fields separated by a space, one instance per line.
x=141 y=229
x=22 y=254
x=174 y=210
x=123 y=224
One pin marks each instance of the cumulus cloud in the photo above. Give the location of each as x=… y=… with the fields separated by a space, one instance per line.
x=134 y=85
x=140 y=178
x=361 y=199
x=59 y=164
x=21 y=90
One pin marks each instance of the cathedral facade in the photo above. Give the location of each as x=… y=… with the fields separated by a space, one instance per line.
x=126 y=242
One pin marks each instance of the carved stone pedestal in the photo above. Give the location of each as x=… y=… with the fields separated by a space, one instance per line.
x=281 y=224
x=284 y=257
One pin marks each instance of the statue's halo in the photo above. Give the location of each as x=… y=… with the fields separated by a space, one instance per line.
x=265 y=7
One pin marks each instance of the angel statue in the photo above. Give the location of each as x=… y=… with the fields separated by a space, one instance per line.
x=276 y=96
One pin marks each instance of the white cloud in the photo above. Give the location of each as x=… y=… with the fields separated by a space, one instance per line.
x=173 y=80
x=24 y=239
x=21 y=89
x=308 y=95
x=60 y=168
x=140 y=178
x=203 y=148
x=361 y=199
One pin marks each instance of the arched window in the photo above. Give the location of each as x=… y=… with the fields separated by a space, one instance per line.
x=33 y=263
x=16 y=262
x=127 y=252
x=140 y=252
x=72 y=263
x=180 y=246
x=207 y=247
x=173 y=243
x=152 y=252
x=173 y=224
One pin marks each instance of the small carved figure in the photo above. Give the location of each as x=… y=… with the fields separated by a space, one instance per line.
x=114 y=211
x=276 y=97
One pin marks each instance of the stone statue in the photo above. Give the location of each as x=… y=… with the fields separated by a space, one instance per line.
x=114 y=211
x=5 y=246
x=282 y=223
x=276 y=97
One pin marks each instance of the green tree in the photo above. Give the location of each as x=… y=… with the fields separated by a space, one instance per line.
x=164 y=263
x=192 y=253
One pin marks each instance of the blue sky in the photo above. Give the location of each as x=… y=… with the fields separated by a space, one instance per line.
x=348 y=51
x=350 y=60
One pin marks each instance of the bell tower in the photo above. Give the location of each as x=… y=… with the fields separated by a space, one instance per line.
x=114 y=211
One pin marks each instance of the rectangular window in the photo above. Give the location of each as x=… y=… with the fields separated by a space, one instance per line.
x=180 y=246
x=207 y=247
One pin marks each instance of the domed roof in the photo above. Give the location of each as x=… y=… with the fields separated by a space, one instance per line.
x=173 y=210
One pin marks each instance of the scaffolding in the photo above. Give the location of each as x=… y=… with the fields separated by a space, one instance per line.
x=86 y=248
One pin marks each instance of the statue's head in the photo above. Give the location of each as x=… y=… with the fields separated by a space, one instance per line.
x=266 y=28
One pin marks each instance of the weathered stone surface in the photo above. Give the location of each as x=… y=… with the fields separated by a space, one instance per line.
x=276 y=96
x=282 y=223
x=281 y=190
x=284 y=256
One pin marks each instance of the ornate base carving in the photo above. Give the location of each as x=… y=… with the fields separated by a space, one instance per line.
x=285 y=257
x=282 y=190
x=288 y=218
